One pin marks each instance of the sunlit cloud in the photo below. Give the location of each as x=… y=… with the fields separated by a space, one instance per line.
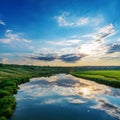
x=97 y=45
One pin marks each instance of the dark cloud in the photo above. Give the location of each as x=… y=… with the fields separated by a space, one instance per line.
x=114 y=48
x=71 y=57
x=44 y=57
x=51 y=57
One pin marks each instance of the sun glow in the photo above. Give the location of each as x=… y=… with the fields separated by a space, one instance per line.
x=87 y=49
x=93 y=48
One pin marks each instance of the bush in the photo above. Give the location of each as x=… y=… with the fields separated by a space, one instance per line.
x=4 y=93
x=2 y=118
x=7 y=105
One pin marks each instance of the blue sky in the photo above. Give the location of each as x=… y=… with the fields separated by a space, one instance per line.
x=60 y=32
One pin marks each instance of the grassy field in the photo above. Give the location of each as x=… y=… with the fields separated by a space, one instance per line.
x=107 y=77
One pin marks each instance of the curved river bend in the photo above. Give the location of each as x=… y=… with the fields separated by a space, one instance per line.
x=64 y=97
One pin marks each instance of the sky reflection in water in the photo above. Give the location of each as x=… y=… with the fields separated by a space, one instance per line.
x=67 y=97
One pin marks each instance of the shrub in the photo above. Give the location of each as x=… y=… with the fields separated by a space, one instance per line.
x=4 y=93
x=2 y=118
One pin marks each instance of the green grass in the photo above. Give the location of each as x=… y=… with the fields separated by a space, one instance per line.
x=107 y=77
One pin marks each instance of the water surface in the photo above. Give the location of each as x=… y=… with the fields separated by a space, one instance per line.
x=64 y=97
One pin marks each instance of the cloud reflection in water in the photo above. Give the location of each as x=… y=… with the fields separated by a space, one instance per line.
x=71 y=90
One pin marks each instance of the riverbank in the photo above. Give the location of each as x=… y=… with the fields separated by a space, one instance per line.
x=107 y=77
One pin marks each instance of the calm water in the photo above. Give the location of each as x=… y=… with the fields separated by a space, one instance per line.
x=64 y=97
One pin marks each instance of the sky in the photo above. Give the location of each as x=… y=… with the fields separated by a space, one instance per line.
x=60 y=32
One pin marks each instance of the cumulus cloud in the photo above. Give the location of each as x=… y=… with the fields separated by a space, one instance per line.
x=2 y=23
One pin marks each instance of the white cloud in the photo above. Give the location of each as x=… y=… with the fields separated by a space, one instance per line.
x=65 y=20
x=107 y=31
x=62 y=20
x=102 y=33
x=82 y=21
x=2 y=23
x=93 y=48
x=11 y=38
x=68 y=20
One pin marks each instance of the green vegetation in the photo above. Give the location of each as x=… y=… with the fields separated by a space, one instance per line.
x=13 y=75
x=107 y=77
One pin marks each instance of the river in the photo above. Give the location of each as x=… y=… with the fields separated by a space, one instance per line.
x=65 y=97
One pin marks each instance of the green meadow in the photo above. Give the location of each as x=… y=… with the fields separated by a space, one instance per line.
x=107 y=77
